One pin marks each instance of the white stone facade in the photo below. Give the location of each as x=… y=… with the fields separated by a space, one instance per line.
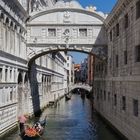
x=70 y=70
x=117 y=82
x=48 y=74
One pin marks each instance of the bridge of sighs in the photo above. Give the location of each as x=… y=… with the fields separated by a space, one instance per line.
x=66 y=26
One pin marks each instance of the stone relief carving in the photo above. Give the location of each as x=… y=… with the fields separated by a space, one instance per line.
x=66 y=16
x=66 y=34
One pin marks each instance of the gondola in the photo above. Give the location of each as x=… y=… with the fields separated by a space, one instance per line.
x=32 y=133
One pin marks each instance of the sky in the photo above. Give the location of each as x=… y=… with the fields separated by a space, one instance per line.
x=102 y=5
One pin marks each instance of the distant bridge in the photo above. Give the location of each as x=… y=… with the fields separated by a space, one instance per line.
x=80 y=86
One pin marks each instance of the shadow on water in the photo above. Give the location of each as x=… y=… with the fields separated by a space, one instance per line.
x=34 y=89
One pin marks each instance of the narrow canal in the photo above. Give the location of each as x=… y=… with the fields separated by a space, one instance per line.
x=73 y=120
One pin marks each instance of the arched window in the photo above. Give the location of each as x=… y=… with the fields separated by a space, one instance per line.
x=19 y=78
x=26 y=78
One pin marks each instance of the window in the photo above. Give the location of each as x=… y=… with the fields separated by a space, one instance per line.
x=82 y=32
x=51 y=32
x=123 y=103
x=67 y=58
x=137 y=53
x=116 y=60
x=125 y=57
x=101 y=94
x=11 y=95
x=67 y=64
x=117 y=30
x=108 y=96
x=135 y=107
x=138 y=9
x=115 y=99
x=104 y=95
x=97 y=93
x=111 y=35
x=126 y=21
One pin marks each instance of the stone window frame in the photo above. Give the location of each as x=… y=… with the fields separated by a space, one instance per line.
x=83 y=30
x=51 y=30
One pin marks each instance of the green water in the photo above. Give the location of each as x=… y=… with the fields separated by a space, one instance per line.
x=72 y=120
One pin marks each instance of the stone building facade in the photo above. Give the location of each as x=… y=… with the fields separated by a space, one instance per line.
x=117 y=80
x=24 y=89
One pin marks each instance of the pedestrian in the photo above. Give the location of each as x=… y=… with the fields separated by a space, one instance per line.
x=22 y=120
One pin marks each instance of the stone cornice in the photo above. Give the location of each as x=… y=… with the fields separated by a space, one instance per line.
x=117 y=11
x=12 y=58
x=17 y=8
x=95 y=14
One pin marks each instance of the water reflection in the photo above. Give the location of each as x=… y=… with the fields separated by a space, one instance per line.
x=73 y=120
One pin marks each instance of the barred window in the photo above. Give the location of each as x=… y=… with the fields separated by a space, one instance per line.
x=135 y=107
x=123 y=103
x=51 y=32
x=125 y=57
x=82 y=32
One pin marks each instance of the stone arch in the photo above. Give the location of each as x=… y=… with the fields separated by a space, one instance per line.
x=11 y=24
x=95 y=14
x=40 y=53
x=7 y=20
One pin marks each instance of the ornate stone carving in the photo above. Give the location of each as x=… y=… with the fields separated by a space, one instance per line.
x=66 y=17
x=66 y=34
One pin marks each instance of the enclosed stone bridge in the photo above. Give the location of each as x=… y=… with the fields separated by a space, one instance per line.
x=66 y=26
x=80 y=86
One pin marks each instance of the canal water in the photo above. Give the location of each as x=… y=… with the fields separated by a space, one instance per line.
x=73 y=120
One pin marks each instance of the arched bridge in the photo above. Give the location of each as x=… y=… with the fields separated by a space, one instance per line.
x=66 y=27
x=80 y=86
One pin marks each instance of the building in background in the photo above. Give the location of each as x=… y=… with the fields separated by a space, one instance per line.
x=77 y=73
x=70 y=70
x=91 y=69
x=84 y=71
